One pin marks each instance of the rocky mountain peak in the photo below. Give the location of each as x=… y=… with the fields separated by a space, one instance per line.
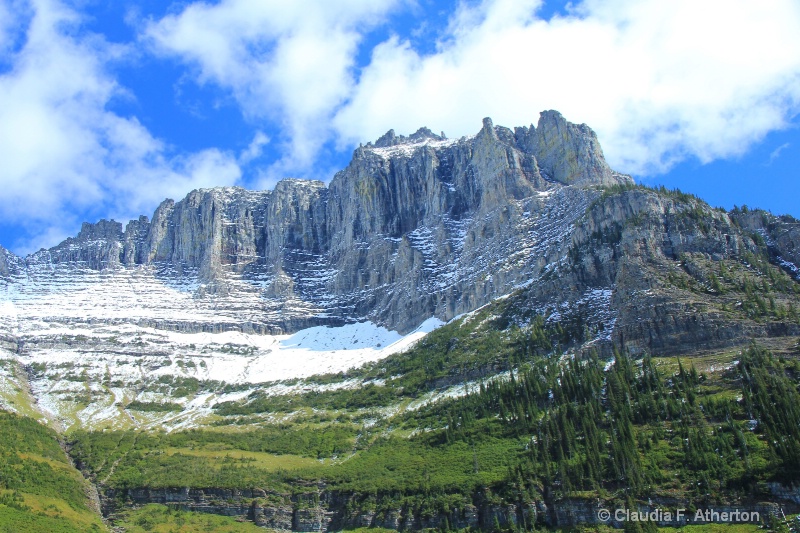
x=488 y=127
x=390 y=138
x=424 y=133
x=571 y=152
x=387 y=139
x=103 y=229
x=415 y=226
x=419 y=230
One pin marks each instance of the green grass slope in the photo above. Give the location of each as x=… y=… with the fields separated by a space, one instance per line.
x=40 y=491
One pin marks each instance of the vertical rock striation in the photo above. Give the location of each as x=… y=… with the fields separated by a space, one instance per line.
x=414 y=227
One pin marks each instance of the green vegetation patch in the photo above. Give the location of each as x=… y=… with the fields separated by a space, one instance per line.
x=155 y=518
x=262 y=460
x=422 y=465
x=39 y=489
x=25 y=435
x=205 y=458
x=32 y=462
x=154 y=407
x=15 y=520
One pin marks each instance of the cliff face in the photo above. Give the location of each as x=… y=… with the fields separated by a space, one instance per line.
x=414 y=227
x=418 y=227
x=661 y=272
x=6 y=257
x=324 y=510
x=423 y=226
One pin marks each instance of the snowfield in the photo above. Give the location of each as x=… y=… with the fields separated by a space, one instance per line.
x=87 y=343
x=81 y=344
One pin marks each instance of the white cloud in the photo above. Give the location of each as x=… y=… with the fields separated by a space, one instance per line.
x=288 y=62
x=6 y=24
x=255 y=148
x=658 y=80
x=64 y=153
x=776 y=153
x=12 y=16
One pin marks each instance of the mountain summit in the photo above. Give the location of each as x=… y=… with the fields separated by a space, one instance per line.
x=414 y=227
x=415 y=231
x=476 y=333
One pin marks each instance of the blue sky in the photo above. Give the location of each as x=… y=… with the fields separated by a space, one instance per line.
x=106 y=109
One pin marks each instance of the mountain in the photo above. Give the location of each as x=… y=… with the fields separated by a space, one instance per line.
x=414 y=229
x=410 y=229
x=284 y=326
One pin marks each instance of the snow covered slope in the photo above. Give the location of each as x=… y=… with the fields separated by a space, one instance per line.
x=229 y=292
x=228 y=288
x=81 y=345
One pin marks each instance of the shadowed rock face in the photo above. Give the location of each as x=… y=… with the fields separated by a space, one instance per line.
x=324 y=510
x=4 y=257
x=413 y=227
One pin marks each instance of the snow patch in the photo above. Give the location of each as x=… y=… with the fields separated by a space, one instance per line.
x=794 y=269
x=111 y=365
x=408 y=149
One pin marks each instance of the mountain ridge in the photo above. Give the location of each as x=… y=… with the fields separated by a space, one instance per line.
x=487 y=332
x=331 y=246
x=416 y=230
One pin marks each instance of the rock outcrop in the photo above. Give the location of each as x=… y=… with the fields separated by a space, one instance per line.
x=5 y=256
x=640 y=272
x=414 y=227
x=423 y=226
x=324 y=510
x=569 y=153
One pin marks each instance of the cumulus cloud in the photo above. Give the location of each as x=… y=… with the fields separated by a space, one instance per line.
x=776 y=153
x=11 y=15
x=288 y=62
x=255 y=148
x=659 y=81
x=63 y=152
